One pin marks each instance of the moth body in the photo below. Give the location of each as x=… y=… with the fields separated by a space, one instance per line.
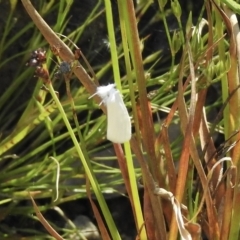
x=118 y=120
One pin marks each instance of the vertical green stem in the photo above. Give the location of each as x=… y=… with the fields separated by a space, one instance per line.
x=134 y=189
x=113 y=47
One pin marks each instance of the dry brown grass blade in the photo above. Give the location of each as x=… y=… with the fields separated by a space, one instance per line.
x=44 y=222
x=171 y=171
x=148 y=137
x=212 y=217
x=101 y=225
x=186 y=119
x=168 y=120
x=124 y=171
x=149 y=184
x=186 y=126
x=205 y=135
x=123 y=167
x=171 y=174
x=144 y=129
x=148 y=216
x=207 y=142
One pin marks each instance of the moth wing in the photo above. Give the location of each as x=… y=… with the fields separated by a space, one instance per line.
x=118 y=120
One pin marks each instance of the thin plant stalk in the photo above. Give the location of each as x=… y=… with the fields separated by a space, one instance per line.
x=116 y=72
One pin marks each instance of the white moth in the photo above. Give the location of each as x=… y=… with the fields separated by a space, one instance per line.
x=118 y=120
